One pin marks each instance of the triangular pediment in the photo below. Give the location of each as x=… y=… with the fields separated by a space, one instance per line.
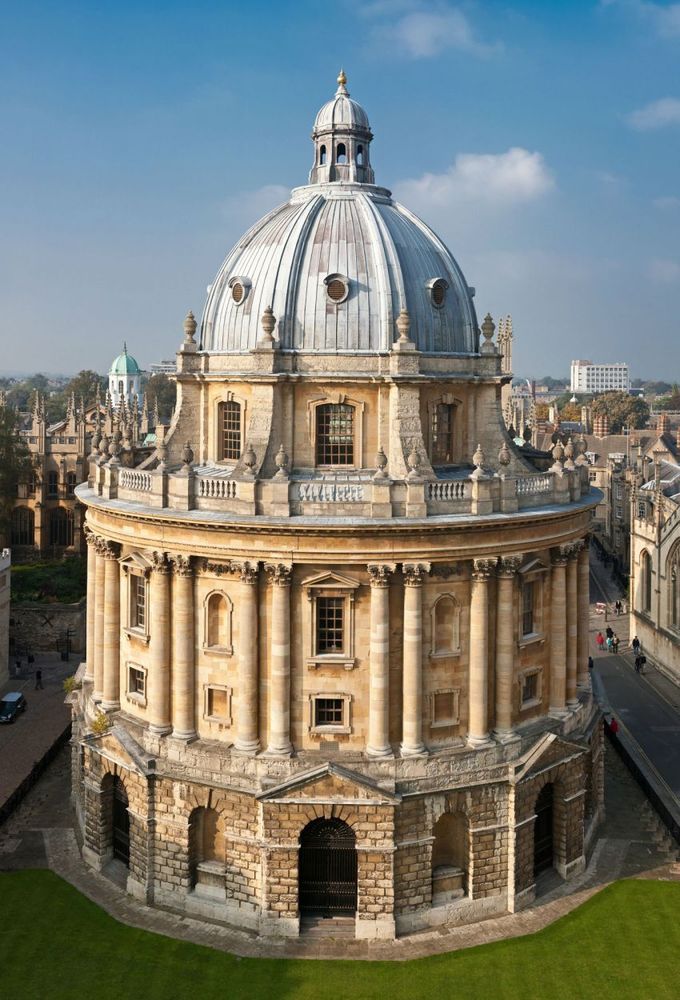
x=550 y=749
x=122 y=748
x=135 y=560
x=330 y=783
x=331 y=580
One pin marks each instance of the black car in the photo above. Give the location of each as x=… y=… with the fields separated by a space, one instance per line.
x=12 y=703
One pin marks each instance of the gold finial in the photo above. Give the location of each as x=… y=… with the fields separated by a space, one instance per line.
x=342 y=79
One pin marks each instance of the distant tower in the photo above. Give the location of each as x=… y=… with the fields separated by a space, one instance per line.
x=505 y=351
x=125 y=379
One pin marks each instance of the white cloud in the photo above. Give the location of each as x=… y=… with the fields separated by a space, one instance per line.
x=664 y=271
x=657 y=114
x=664 y=18
x=501 y=179
x=422 y=31
x=245 y=208
x=669 y=201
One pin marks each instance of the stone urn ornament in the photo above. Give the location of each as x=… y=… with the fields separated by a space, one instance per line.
x=504 y=458
x=189 y=328
x=380 y=464
x=162 y=451
x=281 y=461
x=413 y=462
x=558 y=455
x=250 y=461
x=187 y=455
x=569 y=452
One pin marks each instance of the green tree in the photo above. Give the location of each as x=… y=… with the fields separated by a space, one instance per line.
x=83 y=385
x=15 y=464
x=160 y=388
x=622 y=409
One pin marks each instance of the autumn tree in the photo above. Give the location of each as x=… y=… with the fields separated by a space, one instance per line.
x=622 y=409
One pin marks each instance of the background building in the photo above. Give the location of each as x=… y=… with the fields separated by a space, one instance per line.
x=125 y=381
x=5 y=594
x=339 y=621
x=599 y=378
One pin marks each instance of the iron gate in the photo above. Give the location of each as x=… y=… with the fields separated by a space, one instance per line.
x=543 y=830
x=328 y=869
x=121 y=823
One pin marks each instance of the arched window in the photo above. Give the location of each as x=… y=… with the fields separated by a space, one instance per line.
x=206 y=845
x=646 y=581
x=450 y=852
x=341 y=153
x=335 y=434
x=61 y=527
x=446 y=626
x=229 y=431
x=23 y=526
x=322 y=155
x=442 y=433
x=360 y=156
x=218 y=612
x=121 y=390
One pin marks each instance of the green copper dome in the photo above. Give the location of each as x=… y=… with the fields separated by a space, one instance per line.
x=125 y=364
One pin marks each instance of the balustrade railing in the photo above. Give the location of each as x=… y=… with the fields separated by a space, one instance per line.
x=218 y=489
x=532 y=485
x=132 y=479
x=448 y=490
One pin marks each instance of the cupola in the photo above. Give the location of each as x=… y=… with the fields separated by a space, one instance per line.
x=342 y=137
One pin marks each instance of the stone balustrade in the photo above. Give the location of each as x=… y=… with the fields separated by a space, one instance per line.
x=347 y=495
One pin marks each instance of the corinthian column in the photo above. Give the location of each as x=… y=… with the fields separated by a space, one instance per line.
x=159 y=674
x=558 y=633
x=247 y=738
x=111 y=683
x=505 y=645
x=379 y=681
x=279 y=698
x=572 y=624
x=91 y=601
x=478 y=725
x=412 y=712
x=183 y=664
x=98 y=655
x=583 y=613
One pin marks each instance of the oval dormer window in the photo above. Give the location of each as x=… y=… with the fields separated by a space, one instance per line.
x=337 y=287
x=438 y=289
x=239 y=289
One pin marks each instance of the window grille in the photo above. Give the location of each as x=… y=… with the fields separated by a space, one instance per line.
x=330 y=632
x=230 y=431
x=527 y=608
x=530 y=687
x=137 y=602
x=328 y=711
x=335 y=434
x=442 y=433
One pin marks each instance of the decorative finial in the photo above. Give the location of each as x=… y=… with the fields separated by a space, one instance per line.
x=488 y=328
x=190 y=327
x=124 y=347
x=281 y=461
x=342 y=80
x=381 y=464
x=250 y=461
x=268 y=323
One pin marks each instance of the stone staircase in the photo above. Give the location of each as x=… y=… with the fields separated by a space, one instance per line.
x=327 y=927
x=661 y=836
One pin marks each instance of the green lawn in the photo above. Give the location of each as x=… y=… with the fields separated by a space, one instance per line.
x=54 y=943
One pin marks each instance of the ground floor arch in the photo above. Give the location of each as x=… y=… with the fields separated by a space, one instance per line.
x=115 y=806
x=327 y=869
x=543 y=830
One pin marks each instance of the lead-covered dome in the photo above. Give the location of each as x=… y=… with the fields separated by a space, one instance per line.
x=339 y=261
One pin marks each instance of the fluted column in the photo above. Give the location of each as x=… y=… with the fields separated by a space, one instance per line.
x=183 y=644
x=159 y=674
x=583 y=613
x=98 y=657
x=572 y=624
x=379 y=680
x=91 y=602
x=279 y=696
x=412 y=712
x=558 y=633
x=478 y=724
x=111 y=659
x=247 y=738
x=505 y=645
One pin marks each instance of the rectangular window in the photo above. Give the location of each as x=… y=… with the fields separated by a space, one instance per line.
x=527 y=608
x=137 y=682
x=335 y=434
x=230 y=431
x=138 y=602
x=529 y=688
x=52 y=484
x=218 y=703
x=442 y=434
x=619 y=512
x=445 y=708
x=329 y=712
x=330 y=632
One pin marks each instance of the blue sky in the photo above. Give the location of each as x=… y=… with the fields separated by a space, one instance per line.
x=540 y=139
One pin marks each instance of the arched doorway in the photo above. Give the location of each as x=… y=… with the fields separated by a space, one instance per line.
x=327 y=879
x=543 y=831
x=450 y=851
x=121 y=823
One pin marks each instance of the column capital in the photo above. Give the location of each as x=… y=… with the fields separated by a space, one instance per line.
x=159 y=562
x=380 y=573
x=280 y=574
x=559 y=555
x=508 y=565
x=415 y=573
x=90 y=536
x=572 y=549
x=248 y=572
x=109 y=550
x=482 y=569
x=445 y=570
x=181 y=564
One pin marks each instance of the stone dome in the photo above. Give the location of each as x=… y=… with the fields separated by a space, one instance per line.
x=124 y=364
x=339 y=261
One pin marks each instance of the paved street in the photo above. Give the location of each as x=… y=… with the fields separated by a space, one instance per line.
x=648 y=705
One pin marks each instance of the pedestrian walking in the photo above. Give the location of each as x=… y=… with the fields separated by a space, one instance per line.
x=609 y=632
x=638 y=663
x=591 y=663
x=599 y=639
x=618 y=607
x=610 y=643
x=613 y=726
x=38 y=680
x=643 y=660
x=635 y=645
x=615 y=643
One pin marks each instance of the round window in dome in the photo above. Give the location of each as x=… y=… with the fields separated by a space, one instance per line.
x=239 y=289
x=337 y=287
x=438 y=289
